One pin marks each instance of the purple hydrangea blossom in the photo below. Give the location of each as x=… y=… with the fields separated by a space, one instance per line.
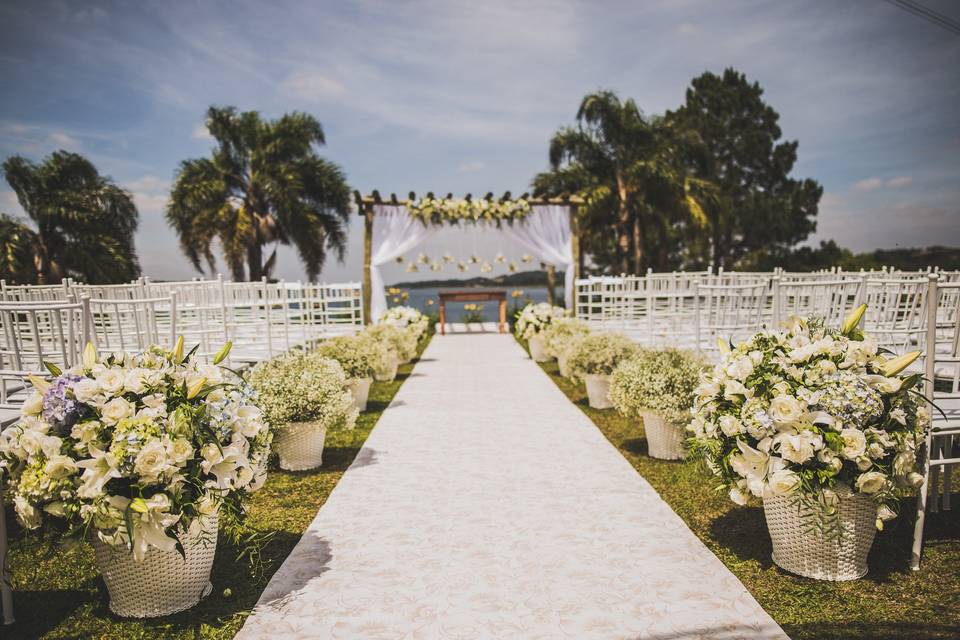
x=61 y=409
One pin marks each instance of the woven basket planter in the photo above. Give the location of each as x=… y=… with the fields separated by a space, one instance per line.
x=598 y=391
x=388 y=375
x=300 y=445
x=664 y=439
x=536 y=349
x=562 y=365
x=165 y=582
x=360 y=388
x=808 y=553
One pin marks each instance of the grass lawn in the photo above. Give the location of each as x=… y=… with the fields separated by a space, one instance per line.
x=890 y=602
x=60 y=594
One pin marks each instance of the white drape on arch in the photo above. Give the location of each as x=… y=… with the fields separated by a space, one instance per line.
x=545 y=232
x=395 y=232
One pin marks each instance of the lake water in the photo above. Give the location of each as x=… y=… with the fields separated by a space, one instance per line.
x=426 y=300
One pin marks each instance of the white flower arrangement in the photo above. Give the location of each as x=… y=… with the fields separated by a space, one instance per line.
x=660 y=381
x=599 y=354
x=304 y=387
x=813 y=413
x=401 y=342
x=439 y=210
x=136 y=448
x=360 y=356
x=406 y=318
x=534 y=318
x=559 y=333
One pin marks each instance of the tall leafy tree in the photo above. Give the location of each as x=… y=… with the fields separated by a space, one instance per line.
x=630 y=170
x=263 y=183
x=759 y=207
x=83 y=224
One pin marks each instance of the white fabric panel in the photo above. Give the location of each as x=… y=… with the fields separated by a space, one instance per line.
x=395 y=232
x=546 y=233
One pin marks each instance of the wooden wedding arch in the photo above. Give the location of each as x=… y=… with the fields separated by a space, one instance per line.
x=365 y=207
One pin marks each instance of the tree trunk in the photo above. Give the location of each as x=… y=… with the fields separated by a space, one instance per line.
x=255 y=260
x=639 y=237
x=623 y=224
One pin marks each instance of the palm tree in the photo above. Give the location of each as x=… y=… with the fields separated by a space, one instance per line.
x=263 y=183
x=17 y=246
x=629 y=169
x=84 y=222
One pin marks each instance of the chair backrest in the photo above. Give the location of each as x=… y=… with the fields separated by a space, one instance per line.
x=133 y=324
x=831 y=299
x=35 y=333
x=896 y=312
x=34 y=293
x=942 y=341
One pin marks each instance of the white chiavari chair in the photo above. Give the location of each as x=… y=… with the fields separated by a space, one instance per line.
x=732 y=313
x=35 y=293
x=830 y=299
x=132 y=325
x=942 y=388
x=896 y=313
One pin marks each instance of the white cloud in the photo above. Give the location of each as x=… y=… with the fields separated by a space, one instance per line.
x=64 y=140
x=869 y=184
x=687 y=29
x=872 y=184
x=899 y=182
x=149 y=203
x=200 y=132
x=471 y=167
x=148 y=183
x=10 y=204
x=313 y=85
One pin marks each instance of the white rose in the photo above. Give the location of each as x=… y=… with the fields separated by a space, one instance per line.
x=116 y=410
x=914 y=479
x=827 y=367
x=871 y=482
x=134 y=381
x=798 y=447
x=730 y=425
x=756 y=356
x=785 y=409
x=740 y=368
x=111 y=381
x=854 y=443
x=876 y=450
x=903 y=463
x=84 y=390
x=864 y=463
x=60 y=466
x=783 y=482
x=211 y=453
x=154 y=400
x=151 y=460
x=738 y=496
x=181 y=451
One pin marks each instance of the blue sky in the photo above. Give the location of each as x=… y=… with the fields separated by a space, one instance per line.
x=463 y=96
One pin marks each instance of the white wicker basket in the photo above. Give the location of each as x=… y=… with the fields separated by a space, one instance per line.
x=562 y=365
x=165 y=582
x=598 y=391
x=389 y=374
x=536 y=349
x=664 y=439
x=806 y=552
x=360 y=388
x=300 y=445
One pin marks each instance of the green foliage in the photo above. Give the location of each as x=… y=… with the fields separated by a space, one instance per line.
x=758 y=206
x=661 y=381
x=830 y=254
x=263 y=183
x=83 y=224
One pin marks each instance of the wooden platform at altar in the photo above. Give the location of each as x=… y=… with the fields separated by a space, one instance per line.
x=499 y=296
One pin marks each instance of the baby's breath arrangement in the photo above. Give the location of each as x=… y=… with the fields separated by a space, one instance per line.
x=135 y=448
x=401 y=342
x=406 y=318
x=302 y=387
x=599 y=354
x=813 y=413
x=660 y=381
x=534 y=318
x=560 y=332
x=360 y=356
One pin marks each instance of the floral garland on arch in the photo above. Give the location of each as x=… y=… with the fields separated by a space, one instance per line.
x=452 y=210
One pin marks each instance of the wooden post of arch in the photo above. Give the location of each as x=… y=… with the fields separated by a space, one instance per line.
x=366 y=210
x=575 y=247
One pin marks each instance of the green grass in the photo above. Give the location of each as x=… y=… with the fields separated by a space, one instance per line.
x=890 y=602
x=59 y=593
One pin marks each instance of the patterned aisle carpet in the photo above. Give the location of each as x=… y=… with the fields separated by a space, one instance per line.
x=486 y=505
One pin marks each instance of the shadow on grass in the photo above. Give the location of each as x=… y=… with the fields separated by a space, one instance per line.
x=744 y=532
x=636 y=446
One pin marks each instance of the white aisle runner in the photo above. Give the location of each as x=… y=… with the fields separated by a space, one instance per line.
x=486 y=505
